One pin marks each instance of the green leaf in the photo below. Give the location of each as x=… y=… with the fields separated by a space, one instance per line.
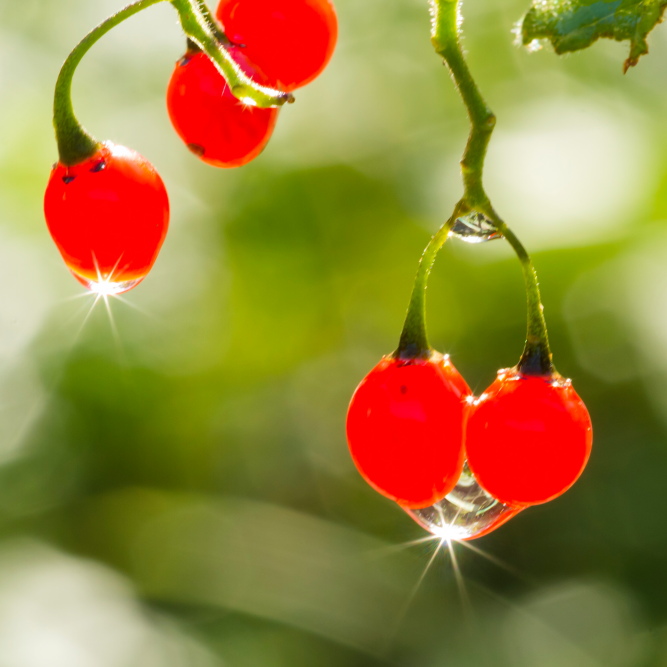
x=571 y=25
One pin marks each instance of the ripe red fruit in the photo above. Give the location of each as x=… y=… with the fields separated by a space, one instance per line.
x=215 y=125
x=108 y=216
x=405 y=428
x=291 y=41
x=528 y=438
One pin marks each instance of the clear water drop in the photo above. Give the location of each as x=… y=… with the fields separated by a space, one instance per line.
x=465 y=513
x=534 y=45
x=474 y=227
x=107 y=287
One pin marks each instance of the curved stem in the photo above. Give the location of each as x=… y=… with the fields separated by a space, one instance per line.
x=212 y=23
x=74 y=143
x=445 y=39
x=414 y=342
x=536 y=358
x=202 y=30
x=445 y=26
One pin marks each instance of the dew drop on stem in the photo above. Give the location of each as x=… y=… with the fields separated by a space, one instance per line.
x=474 y=227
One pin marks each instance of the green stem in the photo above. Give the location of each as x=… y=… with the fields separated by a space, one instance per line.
x=414 y=342
x=536 y=358
x=201 y=29
x=74 y=143
x=446 y=21
x=212 y=23
x=445 y=39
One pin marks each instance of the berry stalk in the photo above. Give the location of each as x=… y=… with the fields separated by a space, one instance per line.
x=413 y=343
x=445 y=26
x=75 y=144
x=445 y=37
x=536 y=358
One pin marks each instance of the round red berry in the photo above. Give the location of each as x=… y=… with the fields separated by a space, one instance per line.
x=219 y=128
x=108 y=215
x=528 y=438
x=405 y=428
x=291 y=41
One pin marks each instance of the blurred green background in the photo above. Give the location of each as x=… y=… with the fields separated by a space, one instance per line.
x=175 y=487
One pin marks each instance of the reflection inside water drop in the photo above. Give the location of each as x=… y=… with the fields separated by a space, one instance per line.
x=534 y=45
x=474 y=227
x=465 y=513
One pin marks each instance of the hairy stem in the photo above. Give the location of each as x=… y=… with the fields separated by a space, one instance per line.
x=212 y=23
x=445 y=40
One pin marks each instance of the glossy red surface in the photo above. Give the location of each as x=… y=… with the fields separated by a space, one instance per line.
x=108 y=215
x=216 y=126
x=528 y=438
x=405 y=429
x=291 y=41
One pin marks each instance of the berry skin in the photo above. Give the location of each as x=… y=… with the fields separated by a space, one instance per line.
x=291 y=41
x=108 y=215
x=215 y=125
x=405 y=428
x=528 y=438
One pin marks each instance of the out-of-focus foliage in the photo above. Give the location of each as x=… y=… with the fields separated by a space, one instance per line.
x=175 y=487
x=571 y=25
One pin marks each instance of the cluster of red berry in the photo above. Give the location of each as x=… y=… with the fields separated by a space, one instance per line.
x=108 y=212
x=413 y=422
x=281 y=44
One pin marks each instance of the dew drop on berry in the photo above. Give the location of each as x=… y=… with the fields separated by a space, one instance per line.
x=106 y=286
x=465 y=513
x=535 y=45
x=474 y=227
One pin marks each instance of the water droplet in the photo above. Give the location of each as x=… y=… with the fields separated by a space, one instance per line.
x=474 y=227
x=534 y=46
x=465 y=513
x=68 y=179
x=107 y=287
x=100 y=166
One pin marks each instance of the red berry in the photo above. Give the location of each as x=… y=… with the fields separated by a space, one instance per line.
x=291 y=41
x=528 y=438
x=215 y=125
x=108 y=216
x=405 y=428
